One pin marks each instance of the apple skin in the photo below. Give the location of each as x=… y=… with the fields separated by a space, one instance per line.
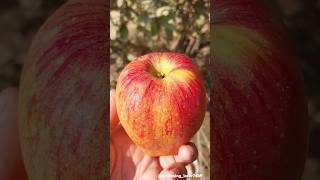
x=160 y=113
x=63 y=98
x=259 y=123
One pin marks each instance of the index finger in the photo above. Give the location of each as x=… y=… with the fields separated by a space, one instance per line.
x=114 y=119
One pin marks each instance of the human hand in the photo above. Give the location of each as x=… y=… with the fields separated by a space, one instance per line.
x=11 y=165
x=128 y=162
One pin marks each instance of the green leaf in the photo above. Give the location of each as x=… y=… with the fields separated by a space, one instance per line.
x=127 y=13
x=169 y=33
x=200 y=8
x=155 y=27
x=143 y=19
x=164 y=21
x=131 y=57
x=124 y=32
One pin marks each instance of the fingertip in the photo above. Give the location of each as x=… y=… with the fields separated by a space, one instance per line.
x=187 y=153
x=112 y=93
x=112 y=99
x=114 y=120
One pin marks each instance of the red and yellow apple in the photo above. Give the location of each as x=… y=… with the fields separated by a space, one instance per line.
x=160 y=100
x=63 y=98
x=258 y=107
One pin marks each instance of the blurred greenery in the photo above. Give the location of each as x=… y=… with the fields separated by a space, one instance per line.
x=19 y=21
x=140 y=27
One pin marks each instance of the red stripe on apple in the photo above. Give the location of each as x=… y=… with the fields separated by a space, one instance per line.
x=63 y=95
x=160 y=100
x=259 y=113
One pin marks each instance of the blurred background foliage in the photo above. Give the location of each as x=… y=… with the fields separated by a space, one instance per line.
x=20 y=20
x=140 y=27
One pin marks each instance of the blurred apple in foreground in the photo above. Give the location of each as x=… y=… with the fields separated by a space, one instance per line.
x=160 y=99
x=258 y=106
x=63 y=98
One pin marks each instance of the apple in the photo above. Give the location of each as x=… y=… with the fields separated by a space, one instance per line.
x=63 y=98
x=160 y=100
x=258 y=107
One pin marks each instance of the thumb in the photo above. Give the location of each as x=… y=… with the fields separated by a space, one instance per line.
x=114 y=119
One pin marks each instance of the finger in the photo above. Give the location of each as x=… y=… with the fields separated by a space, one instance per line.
x=175 y=171
x=11 y=166
x=186 y=154
x=8 y=105
x=112 y=157
x=114 y=120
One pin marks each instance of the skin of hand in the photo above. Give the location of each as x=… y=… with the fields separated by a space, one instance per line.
x=11 y=164
x=128 y=162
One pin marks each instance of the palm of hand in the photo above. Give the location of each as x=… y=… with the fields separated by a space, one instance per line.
x=129 y=162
